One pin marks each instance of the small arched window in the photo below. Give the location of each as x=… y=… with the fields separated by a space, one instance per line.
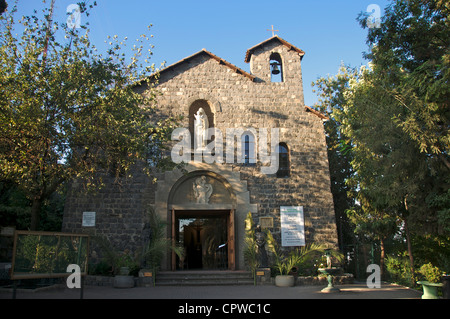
x=283 y=161
x=248 y=148
x=276 y=68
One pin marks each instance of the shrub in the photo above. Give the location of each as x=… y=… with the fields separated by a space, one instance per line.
x=399 y=270
x=431 y=273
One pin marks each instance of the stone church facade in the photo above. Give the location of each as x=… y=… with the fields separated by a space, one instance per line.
x=205 y=204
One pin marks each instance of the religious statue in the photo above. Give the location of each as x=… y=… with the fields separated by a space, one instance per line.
x=328 y=255
x=260 y=239
x=201 y=126
x=202 y=190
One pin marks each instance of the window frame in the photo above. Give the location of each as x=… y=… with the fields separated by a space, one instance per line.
x=284 y=165
x=248 y=144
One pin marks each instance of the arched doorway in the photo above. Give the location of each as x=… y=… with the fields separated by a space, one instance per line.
x=202 y=218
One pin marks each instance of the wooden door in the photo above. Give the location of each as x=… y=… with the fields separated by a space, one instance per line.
x=174 y=256
x=231 y=241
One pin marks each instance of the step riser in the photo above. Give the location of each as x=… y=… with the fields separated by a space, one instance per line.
x=202 y=279
x=202 y=283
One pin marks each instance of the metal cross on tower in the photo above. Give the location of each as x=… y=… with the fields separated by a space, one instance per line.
x=273 y=31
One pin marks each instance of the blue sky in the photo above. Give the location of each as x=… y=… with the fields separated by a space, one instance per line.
x=326 y=30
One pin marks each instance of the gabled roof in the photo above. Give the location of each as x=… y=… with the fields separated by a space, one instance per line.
x=284 y=42
x=215 y=57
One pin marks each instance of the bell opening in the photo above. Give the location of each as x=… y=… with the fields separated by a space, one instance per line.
x=276 y=67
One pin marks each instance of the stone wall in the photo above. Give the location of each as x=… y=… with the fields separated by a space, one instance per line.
x=121 y=212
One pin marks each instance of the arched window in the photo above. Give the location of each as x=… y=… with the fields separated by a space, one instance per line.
x=283 y=161
x=248 y=148
x=276 y=68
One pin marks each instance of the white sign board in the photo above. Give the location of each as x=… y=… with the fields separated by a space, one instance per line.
x=292 y=226
x=88 y=219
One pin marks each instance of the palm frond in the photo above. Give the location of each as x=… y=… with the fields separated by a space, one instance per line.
x=158 y=245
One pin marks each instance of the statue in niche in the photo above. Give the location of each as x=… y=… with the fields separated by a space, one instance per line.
x=202 y=190
x=260 y=239
x=201 y=125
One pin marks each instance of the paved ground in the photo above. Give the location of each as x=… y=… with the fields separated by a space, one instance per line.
x=354 y=291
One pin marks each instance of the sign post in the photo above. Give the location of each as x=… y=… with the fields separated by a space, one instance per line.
x=292 y=226
x=88 y=219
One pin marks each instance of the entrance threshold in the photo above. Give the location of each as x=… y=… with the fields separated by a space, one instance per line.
x=202 y=271
x=204 y=278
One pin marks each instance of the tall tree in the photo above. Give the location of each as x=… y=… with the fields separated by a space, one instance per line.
x=394 y=117
x=383 y=172
x=68 y=112
x=411 y=49
x=410 y=52
x=330 y=95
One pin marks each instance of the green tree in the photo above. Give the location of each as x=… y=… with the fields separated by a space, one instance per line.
x=389 y=168
x=393 y=118
x=412 y=51
x=373 y=148
x=14 y=206
x=330 y=95
x=67 y=111
x=377 y=226
x=411 y=58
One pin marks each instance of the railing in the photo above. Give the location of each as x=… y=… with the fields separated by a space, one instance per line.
x=222 y=256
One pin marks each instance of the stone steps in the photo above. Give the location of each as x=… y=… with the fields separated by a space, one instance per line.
x=203 y=278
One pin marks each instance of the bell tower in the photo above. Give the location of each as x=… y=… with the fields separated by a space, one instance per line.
x=275 y=61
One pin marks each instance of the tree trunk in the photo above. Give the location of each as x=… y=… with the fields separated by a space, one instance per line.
x=382 y=257
x=35 y=213
x=408 y=241
x=410 y=253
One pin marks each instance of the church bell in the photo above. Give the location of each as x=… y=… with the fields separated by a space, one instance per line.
x=275 y=68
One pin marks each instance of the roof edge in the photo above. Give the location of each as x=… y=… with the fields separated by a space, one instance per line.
x=275 y=37
x=213 y=56
x=317 y=113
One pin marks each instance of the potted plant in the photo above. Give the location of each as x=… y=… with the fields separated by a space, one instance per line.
x=124 y=266
x=285 y=264
x=432 y=281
